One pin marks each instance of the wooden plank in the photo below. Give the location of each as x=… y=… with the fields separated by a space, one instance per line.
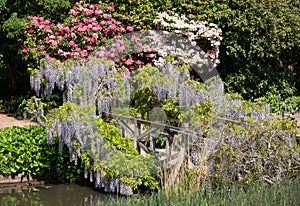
x=144 y=147
x=126 y=127
x=146 y=133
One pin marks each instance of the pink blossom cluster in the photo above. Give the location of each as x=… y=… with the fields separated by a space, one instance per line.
x=90 y=26
x=87 y=27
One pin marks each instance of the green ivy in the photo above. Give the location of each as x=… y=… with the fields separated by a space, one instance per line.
x=24 y=150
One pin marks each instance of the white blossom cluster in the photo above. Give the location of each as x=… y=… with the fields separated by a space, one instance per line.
x=193 y=30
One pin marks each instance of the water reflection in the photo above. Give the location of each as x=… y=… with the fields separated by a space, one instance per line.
x=58 y=195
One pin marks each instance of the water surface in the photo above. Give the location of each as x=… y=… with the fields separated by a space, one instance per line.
x=54 y=195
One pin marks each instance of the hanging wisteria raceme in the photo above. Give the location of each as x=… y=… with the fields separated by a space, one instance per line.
x=87 y=85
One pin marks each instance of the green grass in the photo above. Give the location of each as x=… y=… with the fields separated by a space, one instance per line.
x=287 y=193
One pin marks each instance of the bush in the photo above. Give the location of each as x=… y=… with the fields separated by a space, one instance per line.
x=264 y=150
x=24 y=150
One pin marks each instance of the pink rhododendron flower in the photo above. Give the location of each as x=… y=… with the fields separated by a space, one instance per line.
x=72 y=43
x=85 y=20
x=112 y=27
x=73 y=12
x=66 y=54
x=48 y=29
x=51 y=58
x=89 y=12
x=100 y=53
x=98 y=12
x=129 y=28
x=105 y=31
x=39 y=46
x=90 y=40
x=24 y=50
x=106 y=16
x=47 y=39
x=150 y=55
x=129 y=61
x=95 y=36
x=110 y=7
x=139 y=62
x=54 y=43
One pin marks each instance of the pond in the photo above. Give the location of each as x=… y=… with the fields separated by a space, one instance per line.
x=58 y=195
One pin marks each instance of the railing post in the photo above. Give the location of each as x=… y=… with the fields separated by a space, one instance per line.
x=168 y=149
x=185 y=138
x=122 y=130
x=137 y=130
x=151 y=143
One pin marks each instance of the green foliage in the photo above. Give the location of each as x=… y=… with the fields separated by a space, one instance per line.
x=283 y=101
x=125 y=161
x=143 y=101
x=113 y=136
x=12 y=104
x=35 y=109
x=138 y=13
x=62 y=169
x=16 y=26
x=24 y=150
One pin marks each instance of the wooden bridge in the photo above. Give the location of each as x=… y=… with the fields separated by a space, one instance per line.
x=176 y=140
x=144 y=135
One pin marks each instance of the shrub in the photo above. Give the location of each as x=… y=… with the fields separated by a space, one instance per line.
x=264 y=150
x=24 y=150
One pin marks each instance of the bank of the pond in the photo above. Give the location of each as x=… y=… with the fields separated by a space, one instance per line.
x=58 y=195
x=260 y=194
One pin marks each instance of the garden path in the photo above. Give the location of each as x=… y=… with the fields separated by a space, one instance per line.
x=9 y=120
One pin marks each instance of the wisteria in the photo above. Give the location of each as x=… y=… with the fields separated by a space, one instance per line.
x=93 y=86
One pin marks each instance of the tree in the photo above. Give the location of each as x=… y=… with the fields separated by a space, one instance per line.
x=13 y=72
